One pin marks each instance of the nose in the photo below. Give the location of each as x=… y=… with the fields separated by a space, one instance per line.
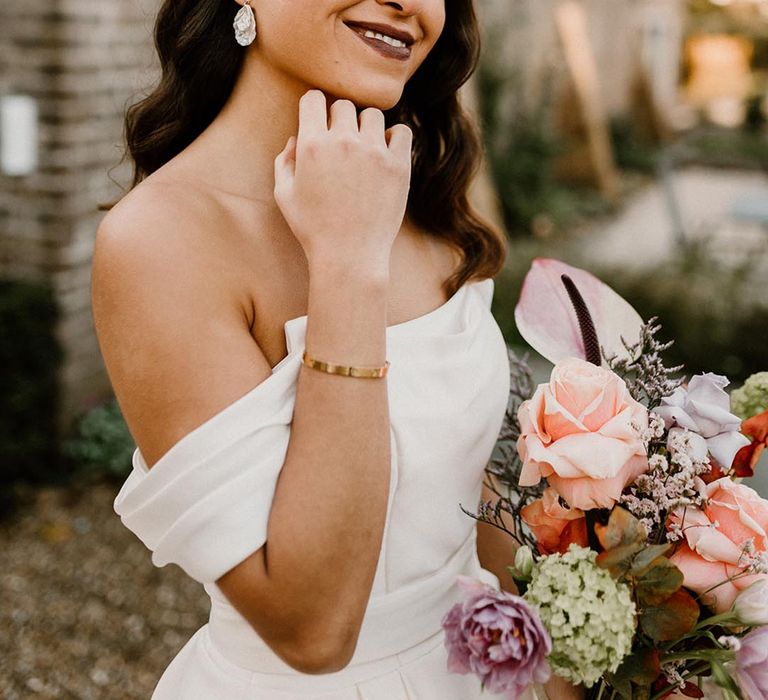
x=407 y=6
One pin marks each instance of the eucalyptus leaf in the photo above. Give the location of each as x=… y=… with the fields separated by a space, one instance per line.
x=623 y=528
x=674 y=617
x=658 y=582
x=642 y=667
x=619 y=560
x=647 y=556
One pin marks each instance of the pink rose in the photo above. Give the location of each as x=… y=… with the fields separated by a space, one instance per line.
x=715 y=537
x=554 y=526
x=580 y=432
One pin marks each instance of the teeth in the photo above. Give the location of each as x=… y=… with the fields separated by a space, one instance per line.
x=383 y=37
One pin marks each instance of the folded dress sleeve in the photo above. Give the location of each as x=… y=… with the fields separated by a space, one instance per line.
x=205 y=504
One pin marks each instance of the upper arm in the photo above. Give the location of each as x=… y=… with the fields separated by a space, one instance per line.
x=174 y=337
x=171 y=327
x=173 y=331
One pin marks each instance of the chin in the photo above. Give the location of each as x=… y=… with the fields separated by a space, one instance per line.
x=383 y=97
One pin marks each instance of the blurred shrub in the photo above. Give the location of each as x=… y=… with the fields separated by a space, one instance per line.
x=522 y=147
x=632 y=151
x=102 y=442
x=30 y=357
x=709 y=311
x=726 y=148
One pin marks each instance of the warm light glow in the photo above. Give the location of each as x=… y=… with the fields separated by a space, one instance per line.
x=720 y=67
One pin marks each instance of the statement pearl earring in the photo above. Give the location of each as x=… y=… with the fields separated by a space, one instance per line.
x=245 y=25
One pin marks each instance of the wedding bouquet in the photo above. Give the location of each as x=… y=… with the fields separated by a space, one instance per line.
x=641 y=561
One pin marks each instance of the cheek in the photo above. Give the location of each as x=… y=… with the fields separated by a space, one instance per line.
x=281 y=30
x=433 y=25
x=438 y=19
x=306 y=44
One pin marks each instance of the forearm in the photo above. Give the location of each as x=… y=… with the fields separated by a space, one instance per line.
x=496 y=548
x=329 y=508
x=496 y=551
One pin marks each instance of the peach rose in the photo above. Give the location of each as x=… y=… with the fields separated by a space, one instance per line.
x=713 y=550
x=554 y=526
x=580 y=432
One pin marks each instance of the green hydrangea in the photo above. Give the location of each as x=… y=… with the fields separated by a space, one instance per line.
x=589 y=615
x=752 y=398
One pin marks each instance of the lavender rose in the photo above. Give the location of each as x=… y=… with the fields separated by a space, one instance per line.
x=751 y=670
x=705 y=408
x=499 y=637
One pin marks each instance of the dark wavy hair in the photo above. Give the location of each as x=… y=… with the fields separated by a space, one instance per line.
x=200 y=62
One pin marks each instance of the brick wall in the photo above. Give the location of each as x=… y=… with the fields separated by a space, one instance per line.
x=83 y=61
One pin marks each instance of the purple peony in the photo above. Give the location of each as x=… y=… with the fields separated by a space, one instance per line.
x=498 y=636
x=752 y=664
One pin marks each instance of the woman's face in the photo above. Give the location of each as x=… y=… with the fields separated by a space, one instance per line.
x=314 y=42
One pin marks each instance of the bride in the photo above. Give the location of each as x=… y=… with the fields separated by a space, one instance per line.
x=292 y=303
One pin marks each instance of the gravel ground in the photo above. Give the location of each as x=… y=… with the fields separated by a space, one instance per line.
x=83 y=612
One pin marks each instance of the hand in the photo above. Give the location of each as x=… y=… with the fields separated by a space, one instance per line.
x=343 y=188
x=558 y=689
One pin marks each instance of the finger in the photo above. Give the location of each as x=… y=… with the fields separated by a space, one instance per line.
x=343 y=116
x=313 y=119
x=290 y=149
x=285 y=163
x=372 y=126
x=400 y=140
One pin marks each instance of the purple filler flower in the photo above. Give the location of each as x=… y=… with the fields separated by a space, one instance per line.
x=498 y=636
x=752 y=664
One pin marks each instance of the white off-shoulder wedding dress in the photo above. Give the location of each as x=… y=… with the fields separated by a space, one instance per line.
x=205 y=506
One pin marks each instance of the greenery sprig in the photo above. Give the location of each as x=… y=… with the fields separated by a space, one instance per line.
x=648 y=378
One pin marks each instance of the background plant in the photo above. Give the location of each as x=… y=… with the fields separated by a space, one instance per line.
x=30 y=357
x=102 y=442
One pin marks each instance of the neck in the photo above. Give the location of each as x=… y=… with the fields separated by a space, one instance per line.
x=236 y=152
x=239 y=147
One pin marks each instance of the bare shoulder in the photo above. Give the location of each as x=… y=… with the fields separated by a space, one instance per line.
x=164 y=214
x=167 y=233
x=171 y=317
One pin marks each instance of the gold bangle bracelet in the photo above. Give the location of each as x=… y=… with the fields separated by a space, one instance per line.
x=344 y=370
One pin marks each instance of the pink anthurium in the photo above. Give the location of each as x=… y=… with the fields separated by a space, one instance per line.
x=547 y=320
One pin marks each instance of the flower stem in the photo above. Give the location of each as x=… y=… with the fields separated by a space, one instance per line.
x=602 y=688
x=704 y=655
x=716 y=620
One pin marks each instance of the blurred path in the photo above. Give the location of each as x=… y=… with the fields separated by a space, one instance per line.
x=85 y=615
x=644 y=233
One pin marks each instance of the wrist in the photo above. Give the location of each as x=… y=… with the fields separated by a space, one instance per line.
x=366 y=271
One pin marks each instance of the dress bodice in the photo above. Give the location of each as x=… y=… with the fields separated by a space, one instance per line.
x=205 y=504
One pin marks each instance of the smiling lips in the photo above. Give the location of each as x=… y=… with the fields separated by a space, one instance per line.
x=387 y=45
